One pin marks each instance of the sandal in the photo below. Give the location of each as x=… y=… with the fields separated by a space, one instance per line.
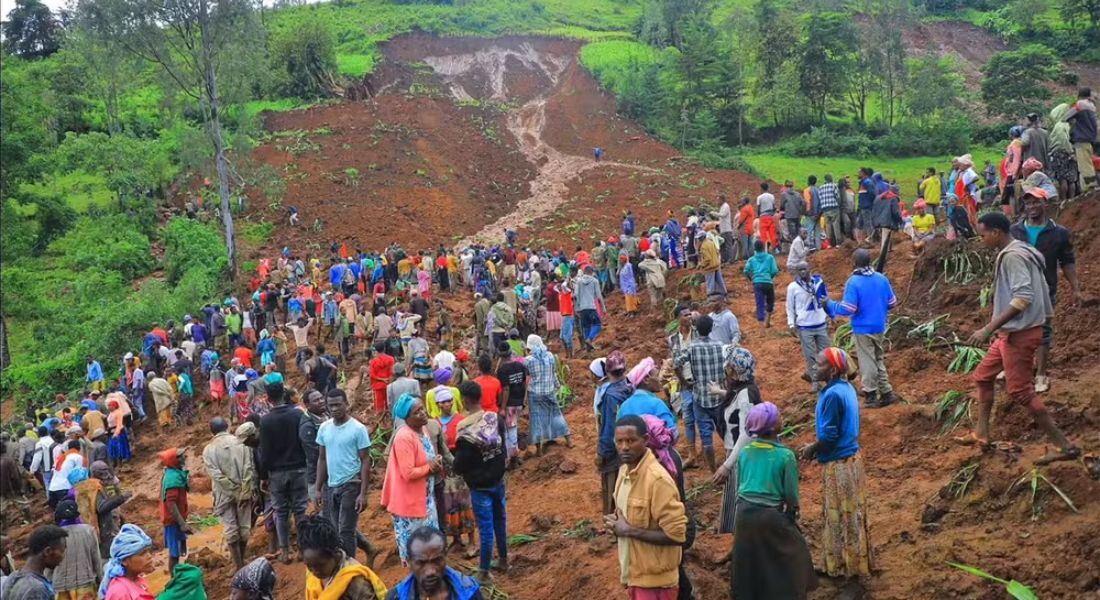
x=1071 y=453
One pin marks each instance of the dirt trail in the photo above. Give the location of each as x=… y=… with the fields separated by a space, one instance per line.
x=549 y=189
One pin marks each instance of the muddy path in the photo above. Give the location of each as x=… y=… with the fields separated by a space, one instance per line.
x=556 y=169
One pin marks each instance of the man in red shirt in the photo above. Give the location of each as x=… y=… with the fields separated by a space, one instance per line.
x=745 y=218
x=173 y=504
x=441 y=271
x=565 y=302
x=381 y=372
x=244 y=354
x=490 y=385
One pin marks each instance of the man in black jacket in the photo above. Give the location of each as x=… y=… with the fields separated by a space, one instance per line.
x=283 y=462
x=1055 y=243
x=480 y=460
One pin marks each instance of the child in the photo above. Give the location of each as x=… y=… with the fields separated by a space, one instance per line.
x=923 y=227
x=629 y=286
x=761 y=270
x=173 y=504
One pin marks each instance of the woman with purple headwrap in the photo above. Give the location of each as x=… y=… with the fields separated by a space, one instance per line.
x=443 y=380
x=770 y=556
x=661 y=439
x=741 y=394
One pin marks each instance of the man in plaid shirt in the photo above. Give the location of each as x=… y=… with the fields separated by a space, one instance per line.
x=704 y=355
x=829 y=195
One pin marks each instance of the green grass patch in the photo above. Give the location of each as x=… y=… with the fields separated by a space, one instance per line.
x=907 y=171
x=81 y=191
x=355 y=65
x=256 y=232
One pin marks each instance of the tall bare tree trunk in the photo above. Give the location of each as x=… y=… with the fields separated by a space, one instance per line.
x=219 y=142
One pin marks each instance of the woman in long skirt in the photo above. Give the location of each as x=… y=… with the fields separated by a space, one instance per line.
x=546 y=421
x=741 y=395
x=770 y=556
x=458 y=511
x=410 y=474
x=118 y=447
x=845 y=542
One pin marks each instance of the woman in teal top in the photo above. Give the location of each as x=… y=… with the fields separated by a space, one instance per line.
x=770 y=556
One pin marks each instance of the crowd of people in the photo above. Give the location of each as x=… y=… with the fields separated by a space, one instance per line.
x=287 y=443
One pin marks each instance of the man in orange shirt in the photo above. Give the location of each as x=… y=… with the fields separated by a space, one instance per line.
x=381 y=372
x=745 y=218
x=490 y=385
x=244 y=354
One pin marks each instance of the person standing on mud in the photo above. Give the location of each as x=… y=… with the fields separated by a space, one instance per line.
x=650 y=521
x=283 y=464
x=1021 y=306
x=705 y=359
x=807 y=318
x=868 y=299
x=711 y=265
x=233 y=475
x=845 y=542
x=589 y=298
x=1056 y=245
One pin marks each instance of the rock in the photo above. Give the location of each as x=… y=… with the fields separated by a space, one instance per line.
x=568 y=467
x=932 y=514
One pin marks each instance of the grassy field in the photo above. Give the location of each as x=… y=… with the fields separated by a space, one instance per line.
x=907 y=171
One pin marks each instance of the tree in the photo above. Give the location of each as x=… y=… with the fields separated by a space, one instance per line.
x=31 y=30
x=306 y=54
x=192 y=41
x=1012 y=81
x=1073 y=9
x=96 y=38
x=935 y=87
x=664 y=22
x=825 y=58
x=774 y=44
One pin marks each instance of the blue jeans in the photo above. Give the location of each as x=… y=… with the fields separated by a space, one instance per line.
x=705 y=424
x=590 y=324
x=687 y=409
x=567 y=331
x=716 y=286
x=488 y=505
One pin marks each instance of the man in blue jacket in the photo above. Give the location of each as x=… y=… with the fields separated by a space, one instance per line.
x=430 y=576
x=868 y=298
x=607 y=456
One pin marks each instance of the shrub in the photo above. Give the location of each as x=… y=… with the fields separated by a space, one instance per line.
x=188 y=245
x=108 y=243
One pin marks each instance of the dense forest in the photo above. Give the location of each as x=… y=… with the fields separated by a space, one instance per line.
x=112 y=107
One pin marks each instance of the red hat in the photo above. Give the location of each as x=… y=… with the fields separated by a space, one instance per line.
x=462 y=355
x=1037 y=192
x=623 y=258
x=612 y=240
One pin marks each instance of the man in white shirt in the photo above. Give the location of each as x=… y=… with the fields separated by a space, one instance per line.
x=807 y=319
x=59 y=483
x=444 y=359
x=41 y=464
x=765 y=212
x=726 y=330
x=799 y=254
x=725 y=229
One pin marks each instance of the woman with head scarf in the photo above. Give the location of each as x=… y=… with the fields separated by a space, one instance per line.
x=546 y=421
x=1062 y=166
x=741 y=394
x=845 y=542
x=76 y=577
x=118 y=446
x=1010 y=167
x=770 y=556
x=107 y=500
x=442 y=379
x=966 y=187
x=452 y=495
x=131 y=559
x=646 y=381
x=254 y=581
x=411 y=470
x=661 y=439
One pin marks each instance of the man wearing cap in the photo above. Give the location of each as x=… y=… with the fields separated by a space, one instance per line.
x=92 y=419
x=98 y=439
x=1055 y=243
x=233 y=476
x=1035 y=140
x=587 y=297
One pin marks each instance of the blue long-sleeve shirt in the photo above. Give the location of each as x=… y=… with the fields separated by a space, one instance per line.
x=643 y=402
x=867 y=300
x=95 y=372
x=837 y=422
x=614 y=395
x=329 y=311
x=336 y=274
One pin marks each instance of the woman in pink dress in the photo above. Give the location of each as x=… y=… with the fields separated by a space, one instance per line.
x=131 y=559
x=424 y=284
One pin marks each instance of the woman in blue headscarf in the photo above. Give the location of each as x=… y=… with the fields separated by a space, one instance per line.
x=413 y=465
x=131 y=559
x=546 y=422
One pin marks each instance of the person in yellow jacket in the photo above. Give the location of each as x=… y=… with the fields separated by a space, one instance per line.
x=650 y=520
x=330 y=573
